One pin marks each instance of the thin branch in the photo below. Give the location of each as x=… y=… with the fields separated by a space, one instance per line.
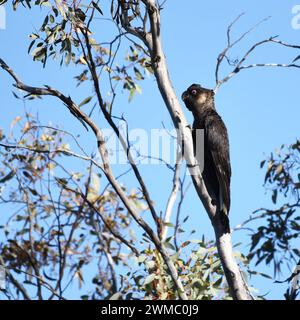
x=110 y=260
x=242 y=225
x=108 y=118
x=173 y=195
x=240 y=65
x=231 y=44
x=16 y=283
x=63 y=151
x=237 y=285
x=44 y=91
x=230 y=27
x=126 y=23
x=279 y=65
x=116 y=234
x=32 y=261
x=43 y=283
x=183 y=192
x=76 y=111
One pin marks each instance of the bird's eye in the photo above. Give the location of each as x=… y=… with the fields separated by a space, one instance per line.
x=194 y=92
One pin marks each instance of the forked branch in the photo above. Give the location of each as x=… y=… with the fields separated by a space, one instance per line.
x=88 y=122
x=239 y=65
x=152 y=39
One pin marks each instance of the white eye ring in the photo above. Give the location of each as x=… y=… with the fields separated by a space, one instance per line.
x=194 y=92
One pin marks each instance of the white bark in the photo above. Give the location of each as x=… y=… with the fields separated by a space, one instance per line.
x=238 y=288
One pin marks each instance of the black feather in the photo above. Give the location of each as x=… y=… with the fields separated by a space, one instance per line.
x=217 y=170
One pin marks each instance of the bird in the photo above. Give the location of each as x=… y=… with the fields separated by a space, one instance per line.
x=216 y=168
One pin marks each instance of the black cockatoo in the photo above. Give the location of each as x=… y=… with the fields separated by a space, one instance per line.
x=216 y=169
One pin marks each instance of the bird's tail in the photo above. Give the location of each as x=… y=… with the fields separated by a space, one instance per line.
x=224 y=211
x=225 y=220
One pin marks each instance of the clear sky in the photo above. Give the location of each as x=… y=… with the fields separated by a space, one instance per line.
x=259 y=106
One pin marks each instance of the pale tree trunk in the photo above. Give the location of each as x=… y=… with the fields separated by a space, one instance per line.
x=238 y=287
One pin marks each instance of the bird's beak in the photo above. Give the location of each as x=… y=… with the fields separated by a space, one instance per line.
x=184 y=95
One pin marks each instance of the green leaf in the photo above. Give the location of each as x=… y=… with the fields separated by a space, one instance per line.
x=131 y=94
x=68 y=58
x=34 y=36
x=46 y=20
x=61 y=181
x=33 y=191
x=55 y=11
x=169 y=245
x=52 y=20
x=95 y=5
x=297 y=58
x=138 y=74
x=262 y=163
x=274 y=196
x=169 y=224
x=85 y=101
x=15 y=95
x=9 y=176
x=30 y=46
x=279 y=169
x=39 y=53
x=138 y=88
x=28 y=4
x=260 y=274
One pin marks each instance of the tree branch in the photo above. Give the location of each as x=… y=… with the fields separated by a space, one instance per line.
x=231 y=44
x=16 y=283
x=240 y=64
x=76 y=111
x=237 y=285
x=107 y=115
x=173 y=195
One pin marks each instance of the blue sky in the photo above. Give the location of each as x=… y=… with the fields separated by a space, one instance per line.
x=259 y=106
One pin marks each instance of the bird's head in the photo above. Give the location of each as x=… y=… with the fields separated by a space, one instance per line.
x=197 y=97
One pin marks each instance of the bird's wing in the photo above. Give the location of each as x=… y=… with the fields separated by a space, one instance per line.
x=217 y=139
